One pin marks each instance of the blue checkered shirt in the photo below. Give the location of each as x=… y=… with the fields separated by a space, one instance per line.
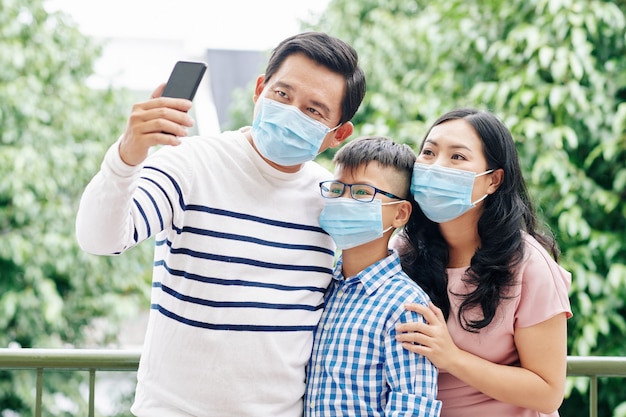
x=357 y=368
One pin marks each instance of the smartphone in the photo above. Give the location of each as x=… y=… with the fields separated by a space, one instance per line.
x=184 y=80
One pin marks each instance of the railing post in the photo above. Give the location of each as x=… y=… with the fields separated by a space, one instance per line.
x=92 y=392
x=39 y=392
x=593 y=396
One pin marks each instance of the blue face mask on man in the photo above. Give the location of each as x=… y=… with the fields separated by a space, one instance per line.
x=352 y=223
x=285 y=135
x=443 y=193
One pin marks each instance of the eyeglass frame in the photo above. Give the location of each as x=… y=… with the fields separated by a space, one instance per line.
x=343 y=190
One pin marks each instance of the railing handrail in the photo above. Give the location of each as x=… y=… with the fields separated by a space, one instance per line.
x=611 y=366
x=128 y=359
x=76 y=359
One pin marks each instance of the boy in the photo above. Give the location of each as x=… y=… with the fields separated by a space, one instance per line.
x=357 y=367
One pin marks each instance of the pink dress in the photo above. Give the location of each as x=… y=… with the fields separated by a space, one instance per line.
x=542 y=295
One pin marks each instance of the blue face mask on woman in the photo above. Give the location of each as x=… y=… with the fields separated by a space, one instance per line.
x=285 y=135
x=352 y=223
x=443 y=193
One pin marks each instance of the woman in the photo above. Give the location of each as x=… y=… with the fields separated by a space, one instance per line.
x=499 y=333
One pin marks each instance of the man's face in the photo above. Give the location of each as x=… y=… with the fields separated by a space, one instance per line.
x=312 y=88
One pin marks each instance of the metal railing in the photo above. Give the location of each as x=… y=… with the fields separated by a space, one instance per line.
x=90 y=360
x=93 y=360
x=594 y=367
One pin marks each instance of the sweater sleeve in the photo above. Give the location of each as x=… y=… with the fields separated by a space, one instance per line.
x=104 y=224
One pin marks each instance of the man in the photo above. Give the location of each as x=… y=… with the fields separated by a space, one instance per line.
x=241 y=264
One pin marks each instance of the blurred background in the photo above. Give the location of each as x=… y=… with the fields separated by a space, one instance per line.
x=553 y=70
x=142 y=40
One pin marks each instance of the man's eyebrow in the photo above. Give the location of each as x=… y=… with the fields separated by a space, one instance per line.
x=284 y=85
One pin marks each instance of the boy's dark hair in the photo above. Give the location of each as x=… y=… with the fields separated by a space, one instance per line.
x=332 y=53
x=385 y=151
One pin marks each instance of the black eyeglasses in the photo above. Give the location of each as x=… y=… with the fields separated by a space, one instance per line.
x=360 y=192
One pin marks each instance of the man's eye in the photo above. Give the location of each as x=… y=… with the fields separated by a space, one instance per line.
x=313 y=111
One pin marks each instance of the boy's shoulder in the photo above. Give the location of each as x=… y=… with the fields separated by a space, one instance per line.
x=413 y=291
x=395 y=283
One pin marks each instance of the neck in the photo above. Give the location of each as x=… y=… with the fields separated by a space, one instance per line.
x=356 y=259
x=462 y=239
x=288 y=170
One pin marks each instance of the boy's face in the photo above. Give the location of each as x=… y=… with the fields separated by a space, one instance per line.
x=361 y=209
x=377 y=176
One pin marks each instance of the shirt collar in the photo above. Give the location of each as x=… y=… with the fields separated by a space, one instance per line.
x=374 y=275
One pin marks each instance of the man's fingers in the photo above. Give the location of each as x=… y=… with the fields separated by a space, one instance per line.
x=177 y=104
x=158 y=91
x=163 y=138
x=164 y=126
x=160 y=119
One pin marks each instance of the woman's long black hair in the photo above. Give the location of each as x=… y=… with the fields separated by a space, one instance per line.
x=506 y=213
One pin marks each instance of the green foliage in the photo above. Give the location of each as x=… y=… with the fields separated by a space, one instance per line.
x=555 y=72
x=242 y=107
x=54 y=131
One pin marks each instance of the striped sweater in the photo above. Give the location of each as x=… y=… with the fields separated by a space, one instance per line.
x=240 y=270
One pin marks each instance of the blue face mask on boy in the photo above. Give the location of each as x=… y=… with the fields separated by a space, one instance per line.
x=352 y=223
x=285 y=135
x=443 y=193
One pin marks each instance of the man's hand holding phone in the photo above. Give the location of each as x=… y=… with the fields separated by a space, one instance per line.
x=162 y=119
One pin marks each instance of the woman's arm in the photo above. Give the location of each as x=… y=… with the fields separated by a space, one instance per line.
x=539 y=382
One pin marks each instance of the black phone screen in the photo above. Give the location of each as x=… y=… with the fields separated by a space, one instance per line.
x=184 y=80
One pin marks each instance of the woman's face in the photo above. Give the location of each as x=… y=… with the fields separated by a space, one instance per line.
x=455 y=144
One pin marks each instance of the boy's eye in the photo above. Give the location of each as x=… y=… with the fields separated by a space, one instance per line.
x=336 y=189
x=362 y=190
